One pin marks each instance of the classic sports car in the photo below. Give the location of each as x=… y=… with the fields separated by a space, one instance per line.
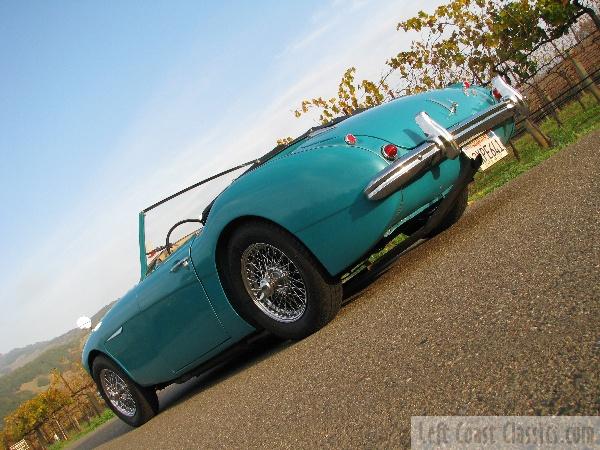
x=272 y=251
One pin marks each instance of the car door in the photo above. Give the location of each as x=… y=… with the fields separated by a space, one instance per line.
x=176 y=312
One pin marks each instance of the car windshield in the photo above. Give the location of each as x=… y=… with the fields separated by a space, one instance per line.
x=178 y=217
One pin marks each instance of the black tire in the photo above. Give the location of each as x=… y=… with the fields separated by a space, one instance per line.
x=457 y=210
x=145 y=399
x=454 y=214
x=321 y=298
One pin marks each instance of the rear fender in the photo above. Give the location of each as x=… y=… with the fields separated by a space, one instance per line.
x=299 y=191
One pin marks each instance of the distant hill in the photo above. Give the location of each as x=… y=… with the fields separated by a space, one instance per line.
x=21 y=356
x=18 y=357
x=24 y=368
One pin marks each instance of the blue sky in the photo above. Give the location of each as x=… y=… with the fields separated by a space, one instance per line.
x=106 y=107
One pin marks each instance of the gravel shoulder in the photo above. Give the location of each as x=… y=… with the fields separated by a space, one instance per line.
x=497 y=316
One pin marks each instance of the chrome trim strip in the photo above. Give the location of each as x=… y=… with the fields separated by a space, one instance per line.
x=115 y=334
x=444 y=143
x=451 y=109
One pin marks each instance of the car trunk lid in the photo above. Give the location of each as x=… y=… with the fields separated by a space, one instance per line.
x=394 y=122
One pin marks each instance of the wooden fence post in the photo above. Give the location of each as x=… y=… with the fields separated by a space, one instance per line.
x=572 y=86
x=92 y=398
x=537 y=134
x=73 y=396
x=553 y=108
x=588 y=83
x=60 y=428
x=514 y=150
x=41 y=437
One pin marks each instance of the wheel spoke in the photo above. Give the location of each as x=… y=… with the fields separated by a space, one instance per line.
x=273 y=282
x=118 y=392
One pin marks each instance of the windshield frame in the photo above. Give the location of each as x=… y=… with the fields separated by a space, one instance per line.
x=142 y=214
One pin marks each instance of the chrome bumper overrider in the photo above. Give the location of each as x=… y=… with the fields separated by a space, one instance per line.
x=445 y=143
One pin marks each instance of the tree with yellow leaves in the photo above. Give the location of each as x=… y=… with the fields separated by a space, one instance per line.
x=461 y=40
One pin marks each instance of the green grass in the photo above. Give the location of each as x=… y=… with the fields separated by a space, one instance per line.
x=576 y=123
x=390 y=245
x=87 y=428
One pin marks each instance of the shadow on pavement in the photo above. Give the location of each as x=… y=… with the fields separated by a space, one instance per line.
x=177 y=393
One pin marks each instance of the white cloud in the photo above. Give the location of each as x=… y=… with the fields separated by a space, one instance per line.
x=305 y=40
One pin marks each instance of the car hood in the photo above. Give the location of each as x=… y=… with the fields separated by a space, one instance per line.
x=394 y=121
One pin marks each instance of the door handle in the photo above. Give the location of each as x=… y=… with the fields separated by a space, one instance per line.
x=185 y=263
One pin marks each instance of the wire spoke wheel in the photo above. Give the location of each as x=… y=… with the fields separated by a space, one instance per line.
x=273 y=282
x=118 y=392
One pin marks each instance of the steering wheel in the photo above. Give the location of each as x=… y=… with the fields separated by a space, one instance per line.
x=181 y=222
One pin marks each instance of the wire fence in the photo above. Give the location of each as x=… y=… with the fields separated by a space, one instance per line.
x=568 y=73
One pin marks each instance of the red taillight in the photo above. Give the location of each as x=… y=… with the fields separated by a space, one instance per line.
x=389 y=151
x=497 y=95
x=466 y=84
x=350 y=139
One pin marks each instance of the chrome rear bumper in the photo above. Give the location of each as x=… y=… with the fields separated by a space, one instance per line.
x=444 y=143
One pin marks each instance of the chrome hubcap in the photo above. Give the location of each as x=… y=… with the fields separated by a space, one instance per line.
x=273 y=282
x=118 y=392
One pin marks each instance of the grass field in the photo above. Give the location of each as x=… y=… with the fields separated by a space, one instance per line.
x=576 y=123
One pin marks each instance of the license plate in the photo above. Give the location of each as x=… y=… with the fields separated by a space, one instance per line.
x=489 y=146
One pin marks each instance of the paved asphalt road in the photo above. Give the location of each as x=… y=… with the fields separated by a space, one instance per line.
x=497 y=316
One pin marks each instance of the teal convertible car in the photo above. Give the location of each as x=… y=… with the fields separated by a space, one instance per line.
x=273 y=250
